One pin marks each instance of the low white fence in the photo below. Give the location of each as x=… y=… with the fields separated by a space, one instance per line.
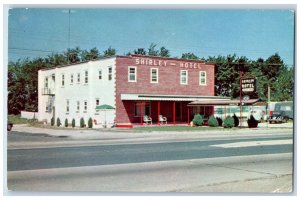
x=29 y=115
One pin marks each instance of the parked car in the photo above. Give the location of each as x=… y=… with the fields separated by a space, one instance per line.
x=9 y=126
x=282 y=112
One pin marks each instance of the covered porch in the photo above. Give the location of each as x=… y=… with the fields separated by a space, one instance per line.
x=173 y=109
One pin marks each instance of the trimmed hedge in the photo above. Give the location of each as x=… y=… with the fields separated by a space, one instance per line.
x=66 y=122
x=58 y=123
x=236 y=120
x=198 y=120
x=228 y=122
x=73 y=122
x=252 y=122
x=220 y=121
x=52 y=121
x=90 y=123
x=212 y=121
x=82 y=122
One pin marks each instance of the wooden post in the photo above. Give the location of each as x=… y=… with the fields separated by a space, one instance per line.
x=174 y=113
x=141 y=112
x=188 y=118
x=158 y=112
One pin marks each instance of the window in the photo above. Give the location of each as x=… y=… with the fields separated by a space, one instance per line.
x=154 y=75
x=146 y=109
x=78 y=78
x=86 y=80
x=183 y=77
x=67 y=106
x=72 y=78
x=85 y=105
x=46 y=82
x=78 y=106
x=97 y=102
x=131 y=74
x=62 y=80
x=202 y=78
x=109 y=73
x=100 y=74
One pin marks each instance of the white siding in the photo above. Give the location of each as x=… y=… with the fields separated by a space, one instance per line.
x=102 y=89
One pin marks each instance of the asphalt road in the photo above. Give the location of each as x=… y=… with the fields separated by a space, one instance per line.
x=60 y=157
x=218 y=164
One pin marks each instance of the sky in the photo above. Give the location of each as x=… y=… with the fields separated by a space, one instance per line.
x=38 y=32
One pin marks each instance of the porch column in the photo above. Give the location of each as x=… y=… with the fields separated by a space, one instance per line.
x=188 y=116
x=141 y=112
x=174 y=113
x=158 y=112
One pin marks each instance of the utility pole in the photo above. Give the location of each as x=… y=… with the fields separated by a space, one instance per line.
x=241 y=75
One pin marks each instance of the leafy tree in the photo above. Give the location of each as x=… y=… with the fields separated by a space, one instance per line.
x=228 y=122
x=58 y=123
x=73 y=122
x=90 y=123
x=140 y=51
x=198 y=120
x=90 y=55
x=284 y=86
x=164 y=52
x=152 y=51
x=73 y=55
x=212 y=121
x=82 y=124
x=189 y=56
x=109 y=52
x=66 y=122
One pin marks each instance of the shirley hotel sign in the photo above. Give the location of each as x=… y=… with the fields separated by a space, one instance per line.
x=164 y=63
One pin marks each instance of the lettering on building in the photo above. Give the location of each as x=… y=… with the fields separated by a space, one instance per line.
x=164 y=63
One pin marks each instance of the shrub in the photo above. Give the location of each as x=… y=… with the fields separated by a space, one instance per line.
x=220 y=121
x=252 y=122
x=198 y=120
x=236 y=120
x=212 y=121
x=90 y=123
x=228 y=122
x=58 y=122
x=73 y=122
x=66 y=122
x=52 y=121
x=82 y=122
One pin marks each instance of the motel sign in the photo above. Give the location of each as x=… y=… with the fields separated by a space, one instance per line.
x=248 y=84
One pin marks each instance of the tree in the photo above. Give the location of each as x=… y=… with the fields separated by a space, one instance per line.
x=73 y=55
x=189 y=55
x=90 y=55
x=164 y=52
x=284 y=86
x=152 y=51
x=109 y=52
x=140 y=51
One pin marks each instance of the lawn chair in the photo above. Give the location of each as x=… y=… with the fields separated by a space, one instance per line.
x=147 y=119
x=162 y=119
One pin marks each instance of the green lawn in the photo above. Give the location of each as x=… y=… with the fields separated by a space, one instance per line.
x=178 y=128
x=16 y=119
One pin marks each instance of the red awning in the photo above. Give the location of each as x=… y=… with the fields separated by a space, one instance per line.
x=222 y=102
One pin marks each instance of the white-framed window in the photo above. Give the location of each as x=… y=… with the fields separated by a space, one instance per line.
x=154 y=75
x=85 y=105
x=62 y=80
x=72 y=79
x=78 y=106
x=86 y=79
x=68 y=106
x=78 y=78
x=202 y=78
x=100 y=74
x=132 y=74
x=46 y=82
x=183 y=77
x=109 y=73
